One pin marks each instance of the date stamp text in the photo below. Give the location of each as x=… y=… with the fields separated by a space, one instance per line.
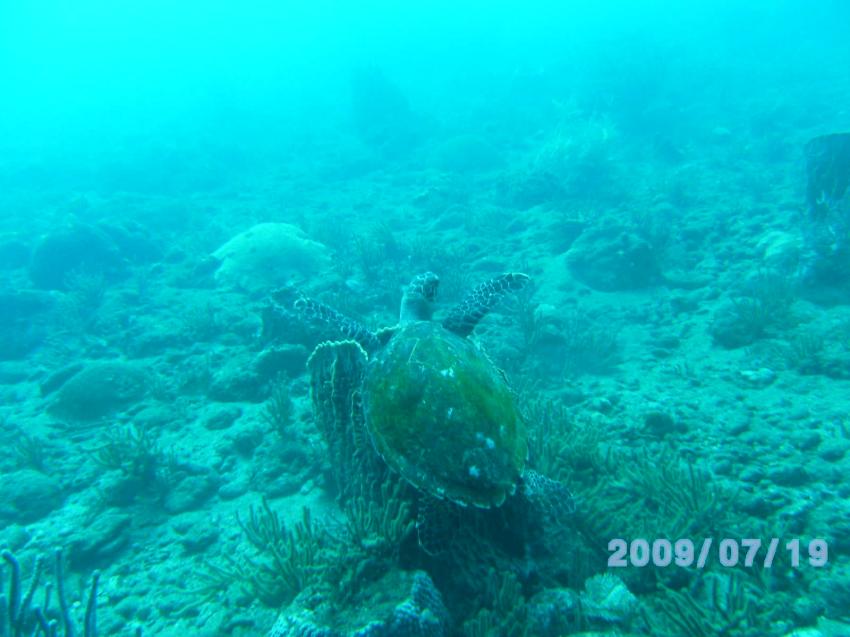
x=728 y=552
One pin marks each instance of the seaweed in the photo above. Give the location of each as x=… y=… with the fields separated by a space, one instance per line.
x=765 y=306
x=279 y=410
x=714 y=606
x=30 y=452
x=286 y=559
x=589 y=346
x=503 y=610
x=562 y=447
x=132 y=450
x=282 y=561
x=379 y=520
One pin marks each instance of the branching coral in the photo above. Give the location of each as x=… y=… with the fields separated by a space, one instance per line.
x=18 y=615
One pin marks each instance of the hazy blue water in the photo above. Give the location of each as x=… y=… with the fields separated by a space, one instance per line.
x=90 y=78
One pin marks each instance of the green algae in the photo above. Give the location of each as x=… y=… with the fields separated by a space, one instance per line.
x=443 y=416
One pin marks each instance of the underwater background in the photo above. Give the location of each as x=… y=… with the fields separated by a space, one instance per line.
x=180 y=457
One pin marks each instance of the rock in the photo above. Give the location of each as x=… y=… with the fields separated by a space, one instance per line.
x=287 y=360
x=80 y=248
x=833 y=589
x=222 y=418
x=196 y=533
x=99 y=390
x=99 y=541
x=27 y=496
x=191 y=492
x=781 y=251
x=807 y=441
x=269 y=255
x=245 y=441
x=728 y=330
x=607 y=600
x=22 y=321
x=234 y=489
x=58 y=378
x=613 y=259
x=133 y=241
x=283 y=486
x=834 y=450
x=19 y=340
x=15 y=537
x=553 y=612
x=660 y=423
x=805 y=632
x=14 y=253
x=23 y=305
x=400 y=603
x=235 y=384
x=789 y=475
x=761 y=377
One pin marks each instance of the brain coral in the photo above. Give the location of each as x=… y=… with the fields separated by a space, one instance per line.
x=270 y=254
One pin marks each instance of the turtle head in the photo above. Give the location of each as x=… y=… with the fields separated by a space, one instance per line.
x=417 y=302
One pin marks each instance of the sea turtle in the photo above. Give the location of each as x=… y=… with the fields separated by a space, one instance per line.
x=432 y=405
x=435 y=407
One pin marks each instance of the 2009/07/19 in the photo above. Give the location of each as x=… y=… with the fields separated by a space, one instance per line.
x=730 y=552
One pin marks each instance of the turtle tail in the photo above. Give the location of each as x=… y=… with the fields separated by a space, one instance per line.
x=477 y=304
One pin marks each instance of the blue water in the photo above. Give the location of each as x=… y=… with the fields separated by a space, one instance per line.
x=194 y=197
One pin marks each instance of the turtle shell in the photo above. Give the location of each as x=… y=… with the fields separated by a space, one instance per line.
x=442 y=415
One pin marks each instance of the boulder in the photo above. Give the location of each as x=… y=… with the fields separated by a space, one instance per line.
x=613 y=259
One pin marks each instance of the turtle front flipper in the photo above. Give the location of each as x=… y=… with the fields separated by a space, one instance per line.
x=323 y=316
x=477 y=304
x=290 y=302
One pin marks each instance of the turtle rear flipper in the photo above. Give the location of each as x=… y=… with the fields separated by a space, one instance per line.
x=437 y=524
x=477 y=304
x=551 y=500
x=336 y=376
